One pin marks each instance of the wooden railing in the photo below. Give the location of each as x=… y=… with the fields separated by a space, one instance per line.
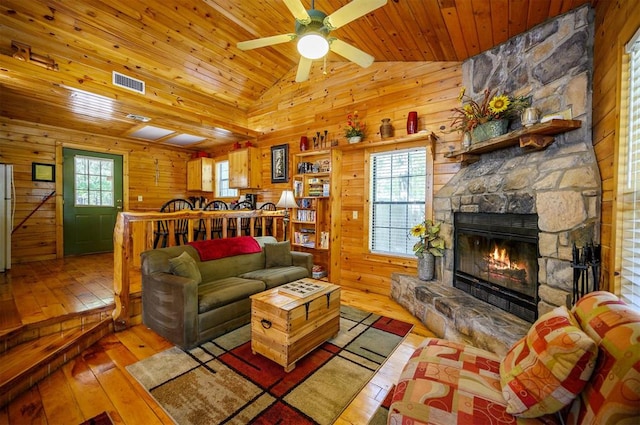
x=123 y=242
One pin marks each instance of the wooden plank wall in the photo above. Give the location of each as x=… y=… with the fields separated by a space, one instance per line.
x=23 y=143
x=288 y=111
x=385 y=90
x=616 y=22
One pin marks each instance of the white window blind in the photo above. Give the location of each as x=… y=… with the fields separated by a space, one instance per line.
x=222 y=180
x=398 y=191
x=630 y=192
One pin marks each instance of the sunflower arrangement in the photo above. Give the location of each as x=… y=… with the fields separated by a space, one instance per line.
x=429 y=240
x=492 y=107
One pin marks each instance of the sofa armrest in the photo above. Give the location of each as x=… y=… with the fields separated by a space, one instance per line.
x=303 y=259
x=170 y=307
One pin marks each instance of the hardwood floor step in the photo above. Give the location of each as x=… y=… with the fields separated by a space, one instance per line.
x=21 y=333
x=23 y=365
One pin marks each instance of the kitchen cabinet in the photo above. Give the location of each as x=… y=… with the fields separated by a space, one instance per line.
x=200 y=174
x=245 y=169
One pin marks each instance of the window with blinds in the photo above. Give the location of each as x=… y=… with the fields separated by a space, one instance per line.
x=398 y=191
x=629 y=180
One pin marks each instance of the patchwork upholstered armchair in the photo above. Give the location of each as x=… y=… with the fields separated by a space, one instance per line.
x=578 y=366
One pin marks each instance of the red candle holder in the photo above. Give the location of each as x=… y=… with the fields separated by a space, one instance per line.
x=412 y=122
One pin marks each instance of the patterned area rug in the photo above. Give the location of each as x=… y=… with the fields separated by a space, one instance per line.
x=222 y=382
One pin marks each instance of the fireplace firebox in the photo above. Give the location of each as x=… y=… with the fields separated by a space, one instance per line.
x=496 y=260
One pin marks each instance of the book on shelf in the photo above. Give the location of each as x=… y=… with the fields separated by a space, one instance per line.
x=324 y=240
x=300 y=288
x=304 y=239
x=306 y=215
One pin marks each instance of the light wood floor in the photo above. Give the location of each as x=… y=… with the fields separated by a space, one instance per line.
x=97 y=381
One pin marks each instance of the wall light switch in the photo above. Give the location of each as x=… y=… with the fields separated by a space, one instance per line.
x=139 y=198
x=355 y=215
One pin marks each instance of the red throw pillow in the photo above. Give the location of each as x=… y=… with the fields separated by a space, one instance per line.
x=228 y=247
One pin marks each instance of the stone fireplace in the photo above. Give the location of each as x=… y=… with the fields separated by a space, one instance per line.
x=558 y=185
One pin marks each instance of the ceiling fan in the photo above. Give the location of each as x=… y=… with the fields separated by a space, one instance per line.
x=312 y=31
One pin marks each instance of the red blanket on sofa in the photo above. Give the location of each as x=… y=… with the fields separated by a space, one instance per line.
x=220 y=248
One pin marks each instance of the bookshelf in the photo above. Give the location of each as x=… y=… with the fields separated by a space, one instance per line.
x=311 y=220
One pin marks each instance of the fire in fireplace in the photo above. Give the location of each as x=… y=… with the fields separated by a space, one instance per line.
x=496 y=260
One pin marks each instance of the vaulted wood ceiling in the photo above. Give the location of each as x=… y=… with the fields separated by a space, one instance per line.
x=197 y=81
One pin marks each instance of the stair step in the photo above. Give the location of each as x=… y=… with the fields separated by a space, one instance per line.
x=25 y=364
x=21 y=333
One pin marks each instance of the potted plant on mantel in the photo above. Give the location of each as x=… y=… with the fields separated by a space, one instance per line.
x=354 y=131
x=429 y=246
x=489 y=117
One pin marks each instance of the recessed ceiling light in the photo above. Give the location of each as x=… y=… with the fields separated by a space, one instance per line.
x=150 y=132
x=184 y=139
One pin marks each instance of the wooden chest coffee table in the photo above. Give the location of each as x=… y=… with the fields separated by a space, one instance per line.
x=284 y=327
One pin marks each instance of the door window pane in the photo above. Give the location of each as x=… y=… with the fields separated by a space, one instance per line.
x=94 y=182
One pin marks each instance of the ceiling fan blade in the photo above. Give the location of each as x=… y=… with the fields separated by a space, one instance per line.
x=304 y=68
x=352 y=53
x=350 y=12
x=298 y=11
x=265 y=41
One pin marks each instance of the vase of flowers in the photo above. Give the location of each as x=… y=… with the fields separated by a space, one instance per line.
x=477 y=117
x=354 y=131
x=428 y=246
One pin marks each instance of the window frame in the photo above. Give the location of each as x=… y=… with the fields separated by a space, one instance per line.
x=628 y=188
x=394 y=258
x=218 y=182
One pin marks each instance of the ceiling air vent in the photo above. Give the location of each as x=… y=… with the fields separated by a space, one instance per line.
x=128 y=83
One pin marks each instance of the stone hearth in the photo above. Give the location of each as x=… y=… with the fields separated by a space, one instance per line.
x=457 y=316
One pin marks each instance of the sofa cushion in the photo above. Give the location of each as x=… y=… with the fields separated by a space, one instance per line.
x=225 y=291
x=449 y=383
x=184 y=265
x=548 y=367
x=612 y=395
x=276 y=276
x=277 y=254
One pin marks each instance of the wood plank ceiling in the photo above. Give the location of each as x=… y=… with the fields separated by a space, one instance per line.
x=197 y=81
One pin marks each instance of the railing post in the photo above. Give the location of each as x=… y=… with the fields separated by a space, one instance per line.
x=121 y=256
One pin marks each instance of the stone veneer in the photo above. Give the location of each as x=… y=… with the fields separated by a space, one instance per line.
x=552 y=63
x=561 y=184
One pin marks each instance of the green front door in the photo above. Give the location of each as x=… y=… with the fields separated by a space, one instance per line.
x=92 y=199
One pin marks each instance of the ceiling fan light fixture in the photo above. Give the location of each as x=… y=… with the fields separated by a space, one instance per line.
x=313 y=45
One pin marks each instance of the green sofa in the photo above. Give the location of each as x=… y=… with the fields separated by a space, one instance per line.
x=188 y=306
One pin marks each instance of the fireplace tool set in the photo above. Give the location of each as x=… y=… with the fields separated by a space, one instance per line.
x=586 y=260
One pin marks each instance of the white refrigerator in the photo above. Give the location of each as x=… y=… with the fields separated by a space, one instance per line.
x=7 y=191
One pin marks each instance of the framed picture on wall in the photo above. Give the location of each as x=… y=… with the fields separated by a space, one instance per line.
x=279 y=163
x=43 y=172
